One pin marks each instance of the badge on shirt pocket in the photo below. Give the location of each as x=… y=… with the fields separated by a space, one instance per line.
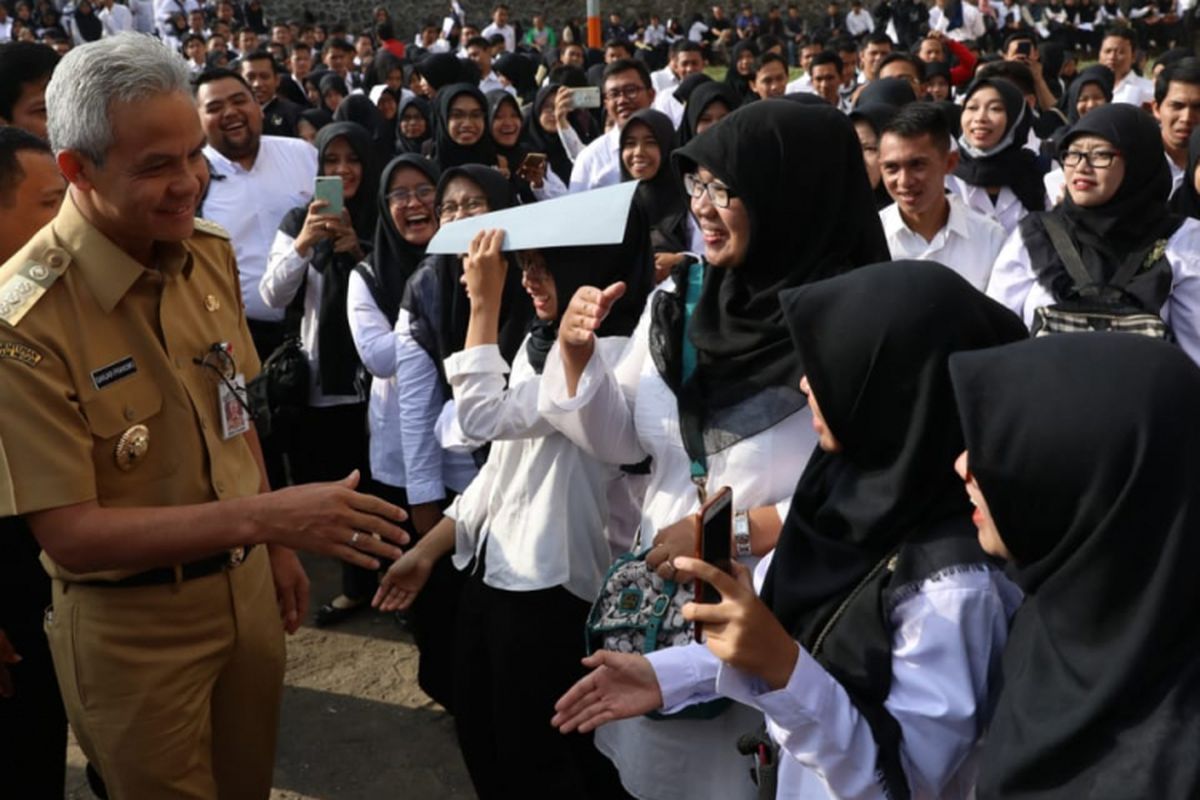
x=231 y=399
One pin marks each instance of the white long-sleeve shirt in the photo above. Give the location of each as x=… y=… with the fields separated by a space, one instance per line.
x=429 y=468
x=860 y=22
x=547 y=505
x=1007 y=210
x=1015 y=284
x=599 y=164
x=286 y=270
x=622 y=414
x=968 y=244
x=948 y=637
x=375 y=341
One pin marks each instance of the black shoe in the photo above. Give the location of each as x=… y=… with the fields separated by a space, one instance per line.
x=329 y=614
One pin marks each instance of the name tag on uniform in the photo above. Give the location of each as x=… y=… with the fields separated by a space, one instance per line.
x=106 y=376
x=231 y=399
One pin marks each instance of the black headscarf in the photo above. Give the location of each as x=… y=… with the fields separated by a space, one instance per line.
x=763 y=152
x=393 y=259
x=740 y=83
x=403 y=143
x=359 y=108
x=317 y=117
x=89 y=25
x=1187 y=200
x=1126 y=226
x=879 y=373
x=436 y=300
x=337 y=357
x=515 y=153
x=446 y=151
x=876 y=114
x=1098 y=74
x=1008 y=163
x=544 y=141
x=331 y=81
x=1085 y=449
x=701 y=98
x=440 y=69
x=521 y=72
x=659 y=198
x=895 y=92
x=683 y=92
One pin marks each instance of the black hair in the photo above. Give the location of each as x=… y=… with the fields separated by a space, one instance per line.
x=767 y=41
x=22 y=63
x=211 y=74
x=336 y=43
x=844 y=46
x=1121 y=32
x=13 y=141
x=907 y=58
x=385 y=30
x=1017 y=73
x=918 y=119
x=770 y=58
x=191 y=37
x=260 y=55
x=1018 y=36
x=479 y=41
x=1185 y=71
x=826 y=57
x=686 y=46
x=622 y=43
x=878 y=37
x=624 y=65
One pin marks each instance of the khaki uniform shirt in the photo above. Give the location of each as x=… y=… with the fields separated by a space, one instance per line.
x=93 y=345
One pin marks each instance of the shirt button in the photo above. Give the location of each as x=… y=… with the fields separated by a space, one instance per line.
x=129 y=413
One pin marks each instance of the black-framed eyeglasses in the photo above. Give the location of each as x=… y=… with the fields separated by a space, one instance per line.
x=400 y=197
x=718 y=193
x=469 y=206
x=628 y=92
x=458 y=115
x=1097 y=159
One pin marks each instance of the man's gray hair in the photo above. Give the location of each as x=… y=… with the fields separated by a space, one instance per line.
x=94 y=76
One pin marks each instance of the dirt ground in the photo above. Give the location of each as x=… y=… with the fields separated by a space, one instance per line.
x=354 y=725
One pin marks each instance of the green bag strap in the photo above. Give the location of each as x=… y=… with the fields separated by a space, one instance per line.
x=699 y=464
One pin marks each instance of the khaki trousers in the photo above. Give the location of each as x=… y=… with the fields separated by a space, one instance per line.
x=174 y=691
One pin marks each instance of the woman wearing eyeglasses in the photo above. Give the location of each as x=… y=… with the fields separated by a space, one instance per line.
x=461 y=134
x=1115 y=217
x=712 y=364
x=431 y=325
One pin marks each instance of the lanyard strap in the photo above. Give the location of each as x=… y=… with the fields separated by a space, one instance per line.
x=695 y=280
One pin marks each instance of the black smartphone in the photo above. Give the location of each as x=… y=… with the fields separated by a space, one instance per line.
x=714 y=537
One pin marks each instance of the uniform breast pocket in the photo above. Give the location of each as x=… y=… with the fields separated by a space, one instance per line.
x=128 y=434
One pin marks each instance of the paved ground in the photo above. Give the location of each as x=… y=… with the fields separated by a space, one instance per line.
x=355 y=726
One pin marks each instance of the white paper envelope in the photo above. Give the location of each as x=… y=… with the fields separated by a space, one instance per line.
x=573 y=220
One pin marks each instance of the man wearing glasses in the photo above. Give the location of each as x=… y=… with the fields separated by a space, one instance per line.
x=627 y=90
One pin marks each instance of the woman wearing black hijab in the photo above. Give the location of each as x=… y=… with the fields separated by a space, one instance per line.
x=430 y=327
x=996 y=175
x=709 y=389
x=706 y=105
x=506 y=127
x=1091 y=89
x=460 y=128
x=1186 y=200
x=740 y=74
x=86 y=26
x=869 y=119
x=414 y=124
x=645 y=146
x=1115 y=217
x=543 y=139
x=891 y=703
x=440 y=70
x=1090 y=488
x=309 y=269
x=521 y=73
x=359 y=108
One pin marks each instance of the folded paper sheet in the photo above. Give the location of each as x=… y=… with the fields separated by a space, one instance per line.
x=573 y=220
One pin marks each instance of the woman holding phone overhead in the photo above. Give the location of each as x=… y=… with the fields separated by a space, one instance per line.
x=309 y=269
x=711 y=365
x=861 y=704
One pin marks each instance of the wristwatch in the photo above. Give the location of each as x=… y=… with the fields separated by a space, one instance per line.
x=741 y=533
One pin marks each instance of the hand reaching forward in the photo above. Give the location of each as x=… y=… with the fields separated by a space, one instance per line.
x=620 y=686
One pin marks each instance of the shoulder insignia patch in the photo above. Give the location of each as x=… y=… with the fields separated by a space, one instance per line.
x=21 y=287
x=20 y=352
x=211 y=228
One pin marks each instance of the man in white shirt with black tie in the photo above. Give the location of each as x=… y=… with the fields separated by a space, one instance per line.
x=925 y=223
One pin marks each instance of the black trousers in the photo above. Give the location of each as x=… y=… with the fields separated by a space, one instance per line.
x=515 y=655
x=331 y=442
x=33 y=724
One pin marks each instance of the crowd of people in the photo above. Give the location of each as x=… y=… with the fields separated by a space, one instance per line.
x=919 y=285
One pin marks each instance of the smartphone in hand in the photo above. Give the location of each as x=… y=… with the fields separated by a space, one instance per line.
x=329 y=189
x=714 y=543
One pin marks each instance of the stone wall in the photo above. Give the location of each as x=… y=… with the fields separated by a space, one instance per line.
x=408 y=14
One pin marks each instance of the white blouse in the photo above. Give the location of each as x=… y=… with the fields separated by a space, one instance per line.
x=621 y=415
x=948 y=639
x=375 y=342
x=1014 y=283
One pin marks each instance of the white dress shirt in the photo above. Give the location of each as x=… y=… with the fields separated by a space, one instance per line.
x=547 y=501
x=428 y=467
x=1014 y=284
x=143 y=15
x=117 y=19
x=250 y=204
x=1134 y=89
x=375 y=341
x=948 y=638
x=621 y=415
x=802 y=85
x=599 y=164
x=665 y=102
x=510 y=36
x=491 y=82
x=967 y=244
x=286 y=270
x=1007 y=210
x=6 y=30
x=664 y=80
x=860 y=22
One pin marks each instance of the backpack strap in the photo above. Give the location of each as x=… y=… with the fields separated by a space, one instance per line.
x=1069 y=254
